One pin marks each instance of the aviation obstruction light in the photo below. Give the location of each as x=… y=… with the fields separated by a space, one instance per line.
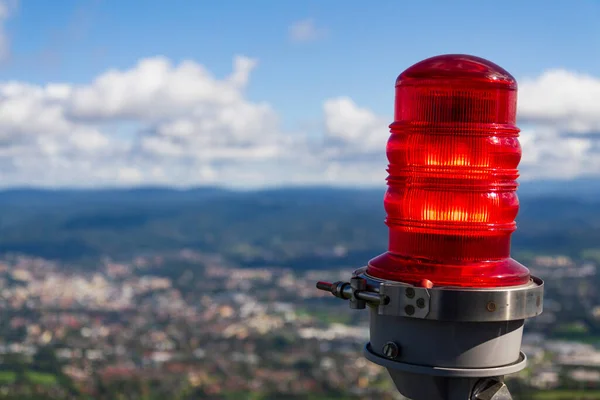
x=447 y=303
x=453 y=154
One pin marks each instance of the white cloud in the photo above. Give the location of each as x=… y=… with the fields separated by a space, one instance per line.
x=177 y=124
x=356 y=127
x=561 y=113
x=563 y=99
x=549 y=154
x=305 y=31
x=187 y=121
x=353 y=149
x=156 y=89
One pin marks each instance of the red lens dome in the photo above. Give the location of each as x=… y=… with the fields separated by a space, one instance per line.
x=453 y=154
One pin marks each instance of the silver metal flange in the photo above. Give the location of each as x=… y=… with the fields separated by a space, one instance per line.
x=456 y=303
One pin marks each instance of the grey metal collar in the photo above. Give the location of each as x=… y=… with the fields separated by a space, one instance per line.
x=440 y=303
x=457 y=304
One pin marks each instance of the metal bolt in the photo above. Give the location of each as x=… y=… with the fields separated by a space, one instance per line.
x=490 y=389
x=409 y=310
x=421 y=303
x=491 y=306
x=410 y=293
x=391 y=350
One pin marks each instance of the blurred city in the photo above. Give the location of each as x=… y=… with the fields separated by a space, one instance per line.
x=192 y=325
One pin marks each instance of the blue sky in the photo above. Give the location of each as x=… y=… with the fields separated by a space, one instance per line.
x=338 y=51
x=363 y=47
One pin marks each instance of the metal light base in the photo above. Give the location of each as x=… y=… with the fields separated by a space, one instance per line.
x=450 y=343
x=442 y=360
x=435 y=383
x=444 y=343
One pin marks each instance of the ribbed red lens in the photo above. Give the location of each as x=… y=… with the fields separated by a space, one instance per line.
x=453 y=154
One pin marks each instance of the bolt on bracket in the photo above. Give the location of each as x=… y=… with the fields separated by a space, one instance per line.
x=357 y=291
x=404 y=300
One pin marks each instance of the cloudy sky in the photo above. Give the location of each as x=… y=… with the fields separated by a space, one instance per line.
x=261 y=93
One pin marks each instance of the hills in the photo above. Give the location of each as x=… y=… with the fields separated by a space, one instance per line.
x=587 y=188
x=296 y=227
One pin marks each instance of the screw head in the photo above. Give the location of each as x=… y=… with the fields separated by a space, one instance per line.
x=391 y=350
x=410 y=292
x=421 y=302
x=491 y=306
x=409 y=310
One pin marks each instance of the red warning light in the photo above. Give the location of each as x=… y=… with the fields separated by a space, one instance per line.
x=453 y=155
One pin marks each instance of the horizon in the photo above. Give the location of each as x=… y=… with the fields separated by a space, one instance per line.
x=581 y=186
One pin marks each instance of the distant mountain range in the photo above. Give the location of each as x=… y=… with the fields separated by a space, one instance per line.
x=576 y=188
x=296 y=227
x=583 y=188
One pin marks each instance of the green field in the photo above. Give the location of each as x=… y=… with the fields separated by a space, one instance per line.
x=324 y=316
x=7 y=377
x=565 y=395
x=40 y=378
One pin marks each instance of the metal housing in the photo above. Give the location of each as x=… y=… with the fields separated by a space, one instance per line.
x=444 y=343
